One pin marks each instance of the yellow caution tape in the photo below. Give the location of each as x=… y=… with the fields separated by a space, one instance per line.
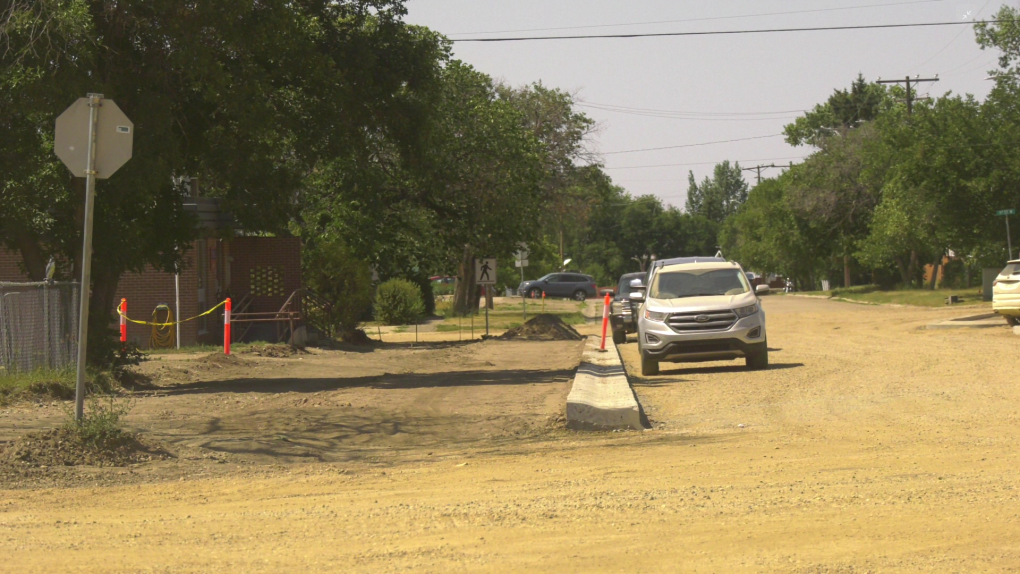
x=171 y=323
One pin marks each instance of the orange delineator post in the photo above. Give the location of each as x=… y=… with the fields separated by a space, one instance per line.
x=226 y=328
x=605 y=321
x=123 y=323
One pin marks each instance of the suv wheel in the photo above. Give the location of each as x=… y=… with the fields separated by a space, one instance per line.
x=1012 y=321
x=535 y=293
x=619 y=336
x=759 y=361
x=649 y=366
x=580 y=295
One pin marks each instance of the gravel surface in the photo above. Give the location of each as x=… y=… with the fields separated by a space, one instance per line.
x=870 y=446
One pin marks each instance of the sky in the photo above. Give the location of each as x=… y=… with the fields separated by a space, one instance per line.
x=672 y=91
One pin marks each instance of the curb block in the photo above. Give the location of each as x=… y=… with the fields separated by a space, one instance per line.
x=601 y=397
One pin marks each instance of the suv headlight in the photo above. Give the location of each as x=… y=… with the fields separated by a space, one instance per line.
x=655 y=316
x=746 y=311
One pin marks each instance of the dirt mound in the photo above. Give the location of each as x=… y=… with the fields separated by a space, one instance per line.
x=543 y=328
x=60 y=447
x=275 y=351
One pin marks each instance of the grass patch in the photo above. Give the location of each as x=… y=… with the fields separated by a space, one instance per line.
x=916 y=297
x=51 y=384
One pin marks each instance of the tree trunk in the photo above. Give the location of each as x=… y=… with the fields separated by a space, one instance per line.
x=562 y=254
x=465 y=292
x=904 y=275
x=102 y=344
x=31 y=252
x=912 y=268
x=935 y=272
x=846 y=271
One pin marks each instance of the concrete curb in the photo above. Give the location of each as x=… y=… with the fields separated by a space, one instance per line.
x=983 y=321
x=601 y=397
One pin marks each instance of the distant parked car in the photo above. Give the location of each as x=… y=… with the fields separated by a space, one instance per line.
x=1006 y=293
x=621 y=315
x=573 y=285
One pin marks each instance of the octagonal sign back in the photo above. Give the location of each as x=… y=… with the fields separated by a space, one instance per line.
x=114 y=138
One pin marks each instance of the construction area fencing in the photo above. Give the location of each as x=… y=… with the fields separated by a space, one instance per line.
x=38 y=326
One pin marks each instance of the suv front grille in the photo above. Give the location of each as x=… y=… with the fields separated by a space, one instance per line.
x=700 y=322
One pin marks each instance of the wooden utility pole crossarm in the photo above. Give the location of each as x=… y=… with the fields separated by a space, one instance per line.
x=907 y=81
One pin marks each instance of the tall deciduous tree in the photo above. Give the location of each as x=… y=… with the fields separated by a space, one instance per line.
x=718 y=196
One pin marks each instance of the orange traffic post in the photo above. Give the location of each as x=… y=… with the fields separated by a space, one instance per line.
x=605 y=321
x=123 y=324
x=543 y=301
x=226 y=328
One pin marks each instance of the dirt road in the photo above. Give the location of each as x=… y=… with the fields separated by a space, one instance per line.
x=870 y=446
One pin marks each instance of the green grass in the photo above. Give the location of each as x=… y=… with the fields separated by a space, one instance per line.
x=49 y=384
x=916 y=297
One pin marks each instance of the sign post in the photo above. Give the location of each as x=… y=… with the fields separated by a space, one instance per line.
x=1009 y=240
x=94 y=139
x=521 y=260
x=485 y=275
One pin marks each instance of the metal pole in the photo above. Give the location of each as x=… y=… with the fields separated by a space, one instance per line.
x=177 y=305
x=1009 y=240
x=487 y=297
x=95 y=100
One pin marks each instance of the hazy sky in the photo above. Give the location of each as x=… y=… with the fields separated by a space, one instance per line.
x=725 y=87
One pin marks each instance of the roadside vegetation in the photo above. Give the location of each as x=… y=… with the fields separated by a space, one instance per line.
x=916 y=297
x=44 y=384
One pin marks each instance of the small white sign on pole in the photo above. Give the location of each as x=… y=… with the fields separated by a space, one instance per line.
x=521 y=263
x=485 y=271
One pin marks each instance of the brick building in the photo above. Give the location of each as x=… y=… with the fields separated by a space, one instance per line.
x=258 y=273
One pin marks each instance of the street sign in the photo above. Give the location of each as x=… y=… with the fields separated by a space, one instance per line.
x=521 y=263
x=114 y=138
x=1002 y=212
x=485 y=271
x=522 y=251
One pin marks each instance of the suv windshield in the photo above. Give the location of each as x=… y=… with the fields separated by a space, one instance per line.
x=624 y=287
x=698 y=283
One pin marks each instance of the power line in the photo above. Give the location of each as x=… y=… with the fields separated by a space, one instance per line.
x=955 y=38
x=690 y=145
x=653 y=110
x=650 y=23
x=726 y=32
x=910 y=96
x=702 y=163
x=690 y=117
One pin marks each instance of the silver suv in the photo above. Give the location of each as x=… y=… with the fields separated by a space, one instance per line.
x=698 y=309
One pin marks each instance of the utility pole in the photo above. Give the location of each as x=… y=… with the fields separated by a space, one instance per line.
x=758 y=169
x=907 y=81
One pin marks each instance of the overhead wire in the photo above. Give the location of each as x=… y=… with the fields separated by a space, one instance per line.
x=690 y=145
x=703 y=163
x=955 y=38
x=726 y=32
x=735 y=17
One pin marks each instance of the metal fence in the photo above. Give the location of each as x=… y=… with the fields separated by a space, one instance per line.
x=38 y=326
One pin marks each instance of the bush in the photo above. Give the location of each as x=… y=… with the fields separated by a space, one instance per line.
x=398 y=302
x=334 y=273
x=100 y=426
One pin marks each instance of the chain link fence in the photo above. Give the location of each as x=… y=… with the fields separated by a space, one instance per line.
x=38 y=326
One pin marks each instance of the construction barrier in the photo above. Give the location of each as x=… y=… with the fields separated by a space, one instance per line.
x=160 y=339
x=226 y=327
x=605 y=322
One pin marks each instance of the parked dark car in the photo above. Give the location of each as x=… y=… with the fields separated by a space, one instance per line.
x=573 y=285
x=621 y=315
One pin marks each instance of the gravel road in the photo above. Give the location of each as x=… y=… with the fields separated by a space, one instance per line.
x=870 y=446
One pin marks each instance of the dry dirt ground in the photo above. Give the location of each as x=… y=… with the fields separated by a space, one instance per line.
x=870 y=446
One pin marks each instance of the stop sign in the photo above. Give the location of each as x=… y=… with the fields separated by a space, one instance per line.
x=114 y=138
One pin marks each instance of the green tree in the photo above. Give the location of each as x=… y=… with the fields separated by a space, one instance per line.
x=719 y=196
x=844 y=110
x=250 y=97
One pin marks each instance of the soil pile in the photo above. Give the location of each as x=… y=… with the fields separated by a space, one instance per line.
x=543 y=328
x=61 y=447
x=275 y=351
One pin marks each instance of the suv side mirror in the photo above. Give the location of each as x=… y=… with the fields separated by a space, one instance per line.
x=762 y=290
x=637 y=283
x=637 y=296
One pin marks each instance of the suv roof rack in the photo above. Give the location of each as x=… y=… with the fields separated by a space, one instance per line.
x=686 y=260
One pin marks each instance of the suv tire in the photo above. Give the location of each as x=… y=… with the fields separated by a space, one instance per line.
x=619 y=336
x=1012 y=321
x=534 y=293
x=649 y=366
x=759 y=361
x=580 y=295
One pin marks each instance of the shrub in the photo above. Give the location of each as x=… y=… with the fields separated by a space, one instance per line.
x=100 y=426
x=398 y=302
x=334 y=273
